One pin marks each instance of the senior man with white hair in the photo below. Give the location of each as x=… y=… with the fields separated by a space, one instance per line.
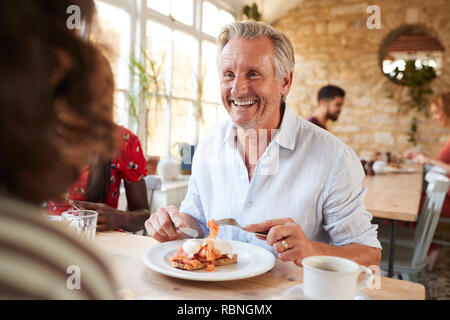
x=269 y=169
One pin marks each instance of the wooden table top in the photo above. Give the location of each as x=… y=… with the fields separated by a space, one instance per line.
x=395 y=196
x=124 y=253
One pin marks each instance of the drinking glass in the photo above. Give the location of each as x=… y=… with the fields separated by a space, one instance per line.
x=83 y=221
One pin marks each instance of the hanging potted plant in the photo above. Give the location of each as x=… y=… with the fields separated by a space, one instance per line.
x=415 y=77
x=251 y=12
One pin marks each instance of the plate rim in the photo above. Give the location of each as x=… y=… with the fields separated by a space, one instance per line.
x=197 y=277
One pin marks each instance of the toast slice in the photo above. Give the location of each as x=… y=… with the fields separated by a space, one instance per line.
x=218 y=262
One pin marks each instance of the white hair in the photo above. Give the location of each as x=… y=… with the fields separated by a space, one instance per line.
x=284 y=60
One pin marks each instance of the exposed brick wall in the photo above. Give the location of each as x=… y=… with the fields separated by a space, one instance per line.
x=333 y=45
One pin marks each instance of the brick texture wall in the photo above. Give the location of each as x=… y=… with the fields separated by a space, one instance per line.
x=333 y=45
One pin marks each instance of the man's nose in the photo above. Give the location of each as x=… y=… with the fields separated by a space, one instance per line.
x=240 y=87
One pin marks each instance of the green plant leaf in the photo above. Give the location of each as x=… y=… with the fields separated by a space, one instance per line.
x=416 y=81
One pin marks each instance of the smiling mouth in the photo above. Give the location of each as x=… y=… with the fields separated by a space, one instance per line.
x=243 y=103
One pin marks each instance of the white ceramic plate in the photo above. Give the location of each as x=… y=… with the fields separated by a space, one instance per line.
x=296 y=293
x=251 y=261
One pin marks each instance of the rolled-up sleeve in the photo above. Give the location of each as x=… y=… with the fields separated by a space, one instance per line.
x=345 y=217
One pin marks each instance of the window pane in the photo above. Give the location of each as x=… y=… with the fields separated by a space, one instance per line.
x=210 y=19
x=156 y=141
x=214 y=19
x=121 y=109
x=185 y=58
x=158 y=55
x=211 y=91
x=162 y=6
x=111 y=28
x=183 y=11
x=181 y=123
x=213 y=114
x=224 y=18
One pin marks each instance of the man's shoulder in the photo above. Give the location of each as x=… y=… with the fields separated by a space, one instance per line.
x=308 y=128
x=308 y=132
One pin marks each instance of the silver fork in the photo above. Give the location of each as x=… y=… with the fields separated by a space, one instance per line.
x=70 y=201
x=234 y=223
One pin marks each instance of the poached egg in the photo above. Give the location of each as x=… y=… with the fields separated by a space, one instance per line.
x=192 y=247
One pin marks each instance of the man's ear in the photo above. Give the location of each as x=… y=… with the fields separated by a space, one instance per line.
x=323 y=103
x=286 y=83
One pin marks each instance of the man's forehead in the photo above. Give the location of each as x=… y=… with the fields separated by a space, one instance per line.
x=337 y=100
x=245 y=50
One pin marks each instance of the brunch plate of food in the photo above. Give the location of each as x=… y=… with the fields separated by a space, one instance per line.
x=209 y=259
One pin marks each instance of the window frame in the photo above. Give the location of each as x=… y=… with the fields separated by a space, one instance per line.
x=139 y=15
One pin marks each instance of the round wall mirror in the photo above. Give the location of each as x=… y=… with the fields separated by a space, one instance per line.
x=409 y=54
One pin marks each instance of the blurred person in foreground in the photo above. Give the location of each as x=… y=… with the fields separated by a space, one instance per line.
x=98 y=186
x=51 y=124
x=440 y=113
x=269 y=169
x=331 y=101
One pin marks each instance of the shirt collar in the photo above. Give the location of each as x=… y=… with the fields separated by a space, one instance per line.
x=286 y=135
x=230 y=136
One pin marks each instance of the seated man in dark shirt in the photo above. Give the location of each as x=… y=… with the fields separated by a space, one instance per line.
x=331 y=102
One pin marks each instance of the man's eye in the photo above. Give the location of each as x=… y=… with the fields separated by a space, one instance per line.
x=253 y=74
x=228 y=75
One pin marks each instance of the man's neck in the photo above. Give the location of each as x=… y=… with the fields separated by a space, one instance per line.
x=253 y=142
x=321 y=116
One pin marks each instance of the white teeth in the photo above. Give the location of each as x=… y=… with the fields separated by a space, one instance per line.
x=243 y=103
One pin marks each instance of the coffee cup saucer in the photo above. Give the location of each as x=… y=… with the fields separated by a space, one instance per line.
x=296 y=293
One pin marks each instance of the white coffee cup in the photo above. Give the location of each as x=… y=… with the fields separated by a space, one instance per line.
x=332 y=278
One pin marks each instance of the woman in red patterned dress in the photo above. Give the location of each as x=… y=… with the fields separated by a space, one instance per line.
x=98 y=188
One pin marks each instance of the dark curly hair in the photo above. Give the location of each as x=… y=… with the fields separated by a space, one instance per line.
x=32 y=166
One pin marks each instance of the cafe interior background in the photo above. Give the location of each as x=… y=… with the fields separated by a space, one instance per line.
x=175 y=98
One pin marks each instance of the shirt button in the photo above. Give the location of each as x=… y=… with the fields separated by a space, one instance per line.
x=249 y=204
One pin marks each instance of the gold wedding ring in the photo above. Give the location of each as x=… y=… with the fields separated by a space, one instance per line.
x=285 y=244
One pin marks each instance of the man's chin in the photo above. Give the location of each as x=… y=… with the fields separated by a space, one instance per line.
x=245 y=123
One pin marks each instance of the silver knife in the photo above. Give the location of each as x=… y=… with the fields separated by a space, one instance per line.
x=189 y=231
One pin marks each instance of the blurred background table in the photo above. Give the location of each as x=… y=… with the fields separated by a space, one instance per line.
x=395 y=196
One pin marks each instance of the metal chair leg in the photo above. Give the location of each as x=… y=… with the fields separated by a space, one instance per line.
x=425 y=284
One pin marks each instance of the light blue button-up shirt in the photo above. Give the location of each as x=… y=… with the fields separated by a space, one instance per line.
x=306 y=174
